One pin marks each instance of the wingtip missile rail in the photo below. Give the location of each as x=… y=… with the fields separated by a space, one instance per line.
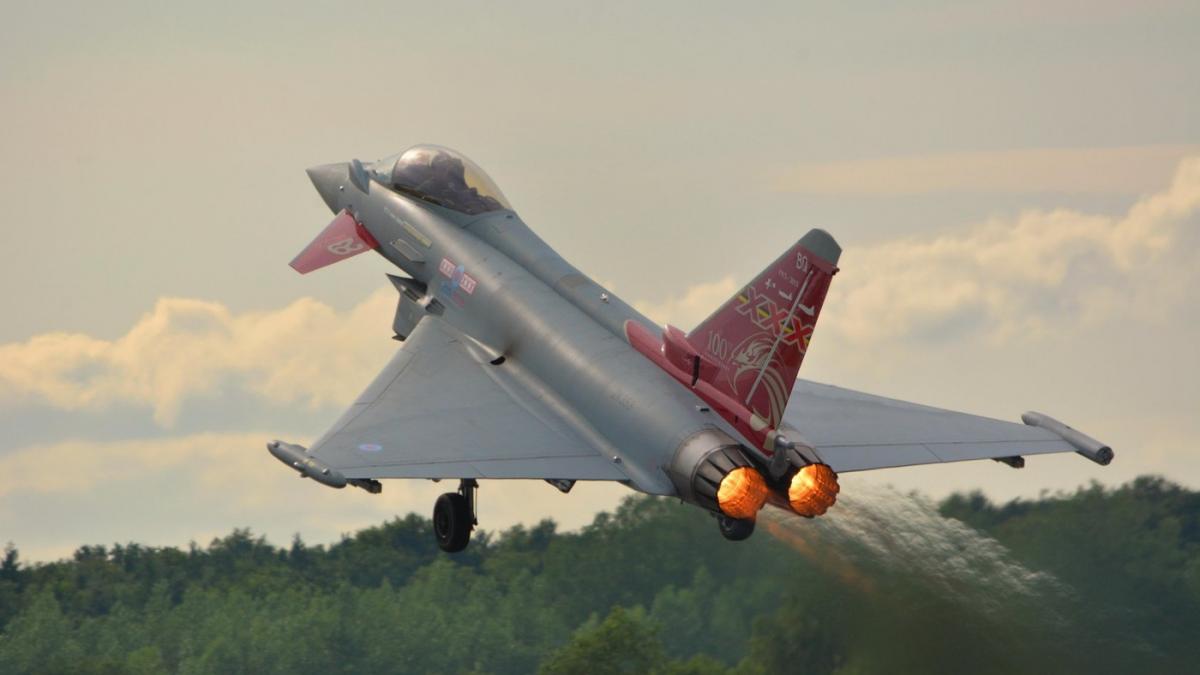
x=1085 y=445
x=308 y=466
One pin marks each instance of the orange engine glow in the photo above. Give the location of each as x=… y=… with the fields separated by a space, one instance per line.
x=742 y=493
x=813 y=490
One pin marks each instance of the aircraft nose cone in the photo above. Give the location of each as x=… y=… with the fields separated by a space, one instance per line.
x=330 y=180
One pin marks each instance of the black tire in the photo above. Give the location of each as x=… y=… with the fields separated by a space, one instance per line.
x=452 y=522
x=735 y=529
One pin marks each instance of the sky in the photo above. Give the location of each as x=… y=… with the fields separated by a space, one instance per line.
x=1016 y=187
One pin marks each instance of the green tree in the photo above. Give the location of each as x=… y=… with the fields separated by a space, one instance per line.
x=624 y=643
x=1125 y=561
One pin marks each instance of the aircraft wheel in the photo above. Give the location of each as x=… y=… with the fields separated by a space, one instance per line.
x=735 y=529
x=452 y=522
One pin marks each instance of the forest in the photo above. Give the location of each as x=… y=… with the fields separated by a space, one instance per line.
x=1101 y=580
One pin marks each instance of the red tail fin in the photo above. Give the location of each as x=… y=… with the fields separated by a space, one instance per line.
x=758 y=338
x=743 y=359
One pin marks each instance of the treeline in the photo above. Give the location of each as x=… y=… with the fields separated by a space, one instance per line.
x=1104 y=581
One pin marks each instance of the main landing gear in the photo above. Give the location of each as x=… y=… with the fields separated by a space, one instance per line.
x=454 y=516
x=735 y=529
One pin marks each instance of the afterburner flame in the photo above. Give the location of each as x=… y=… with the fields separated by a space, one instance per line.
x=813 y=490
x=742 y=493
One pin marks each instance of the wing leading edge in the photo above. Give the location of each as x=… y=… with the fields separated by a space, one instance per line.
x=854 y=431
x=437 y=411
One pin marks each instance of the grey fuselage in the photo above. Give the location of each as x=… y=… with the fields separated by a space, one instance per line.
x=547 y=319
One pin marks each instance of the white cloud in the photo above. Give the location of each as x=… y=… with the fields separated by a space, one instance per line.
x=79 y=466
x=1039 y=272
x=1120 y=170
x=691 y=307
x=304 y=353
x=1003 y=278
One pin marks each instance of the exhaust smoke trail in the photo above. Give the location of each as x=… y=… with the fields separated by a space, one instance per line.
x=876 y=537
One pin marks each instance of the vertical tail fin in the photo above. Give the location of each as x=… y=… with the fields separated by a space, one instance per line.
x=759 y=337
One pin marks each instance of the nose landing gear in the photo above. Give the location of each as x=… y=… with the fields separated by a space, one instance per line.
x=454 y=516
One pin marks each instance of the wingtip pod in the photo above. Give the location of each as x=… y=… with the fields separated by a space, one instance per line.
x=1085 y=445
x=298 y=458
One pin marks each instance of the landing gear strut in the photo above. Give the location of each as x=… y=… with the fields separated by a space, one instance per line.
x=454 y=516
x=735 y=529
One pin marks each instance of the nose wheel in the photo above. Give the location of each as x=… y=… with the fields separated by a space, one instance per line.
x=454 y=517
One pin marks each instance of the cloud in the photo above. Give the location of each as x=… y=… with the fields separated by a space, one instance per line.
x=1121 y=170
x=1036 y=273
x=1003 y=278
x=1007 y=277
x=304 y=353
x=79 y=466
x=693 y=306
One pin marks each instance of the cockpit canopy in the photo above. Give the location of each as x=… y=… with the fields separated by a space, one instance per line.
x=441 y=176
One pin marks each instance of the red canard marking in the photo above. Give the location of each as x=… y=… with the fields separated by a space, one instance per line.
x=342 y=238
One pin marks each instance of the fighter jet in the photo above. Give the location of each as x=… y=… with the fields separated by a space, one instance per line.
x=516 y=365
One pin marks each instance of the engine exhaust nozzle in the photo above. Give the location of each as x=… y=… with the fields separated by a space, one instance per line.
x=814 y=488
x=742 y=493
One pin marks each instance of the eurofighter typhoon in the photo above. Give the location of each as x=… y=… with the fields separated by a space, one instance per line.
x=516 y=365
